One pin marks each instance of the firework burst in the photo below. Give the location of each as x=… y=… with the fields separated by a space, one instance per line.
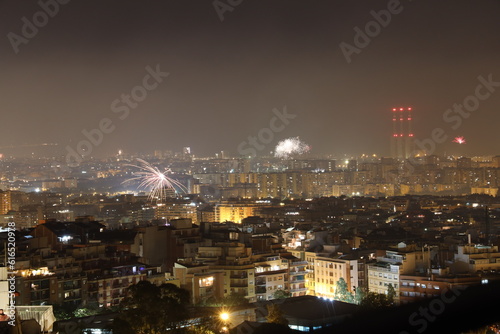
x=289 y=147
x=155 y=180
x=459 y=140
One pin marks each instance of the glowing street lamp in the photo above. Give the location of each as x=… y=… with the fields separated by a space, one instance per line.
x=224 y=316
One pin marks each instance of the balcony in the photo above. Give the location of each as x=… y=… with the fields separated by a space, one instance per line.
x=299 y=263
x=71 y=286
x=298 y=272
x=260 y=282
x=298 y=280
x=239 y=275
x=260 y=290
x=124 y=284
x=298 y=289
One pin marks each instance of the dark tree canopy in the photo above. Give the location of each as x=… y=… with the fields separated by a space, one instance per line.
x=359 y=295
x=151 y=309
x=275 y=315
x=375 y=300
x=391 y=294
x=281 y=294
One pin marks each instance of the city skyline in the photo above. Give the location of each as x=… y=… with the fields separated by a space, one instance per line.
x=230 y=166
x=218 y=81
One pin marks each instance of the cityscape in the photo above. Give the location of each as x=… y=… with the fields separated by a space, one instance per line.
x=234 y=167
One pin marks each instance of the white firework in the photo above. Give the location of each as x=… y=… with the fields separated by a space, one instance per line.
x=155 y=180
x=289 y=147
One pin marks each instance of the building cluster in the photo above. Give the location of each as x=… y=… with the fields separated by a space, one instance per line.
x=223 y=178
x=255 y=249
x=260 y=229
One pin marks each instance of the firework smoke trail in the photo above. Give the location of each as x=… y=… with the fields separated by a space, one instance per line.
x=290 y=146
x=151 y=177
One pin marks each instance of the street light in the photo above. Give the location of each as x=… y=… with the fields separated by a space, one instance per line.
x=224 y=316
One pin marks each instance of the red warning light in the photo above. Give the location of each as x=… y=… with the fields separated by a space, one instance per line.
x=400 y=109
x=409 y=109
x=410 y=135
x=393 y=109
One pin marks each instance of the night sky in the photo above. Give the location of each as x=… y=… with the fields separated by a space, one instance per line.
x=226 y=77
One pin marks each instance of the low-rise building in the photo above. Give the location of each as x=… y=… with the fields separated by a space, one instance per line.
x=271 y=275
x=203 y=284
x=328 y=271
x=475 y=258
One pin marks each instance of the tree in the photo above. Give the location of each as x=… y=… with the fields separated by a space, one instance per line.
x=151 y=309
x=374 y=300
x=359 y=295
x=206 y=325
x=275 y=315
x=281 y=294
x=391 y=294
x=92 y=308
x=342 y=292
x=63 y=312
x=234 y=299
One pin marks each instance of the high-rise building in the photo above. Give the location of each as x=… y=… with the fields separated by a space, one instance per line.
x=402 y=140
x=10 y=200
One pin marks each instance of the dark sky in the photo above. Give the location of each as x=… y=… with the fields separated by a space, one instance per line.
x=227 y=76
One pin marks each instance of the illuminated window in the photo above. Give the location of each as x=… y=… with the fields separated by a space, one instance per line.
x=207 y=281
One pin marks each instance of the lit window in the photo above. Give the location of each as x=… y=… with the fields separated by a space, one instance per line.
x=206 y=282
